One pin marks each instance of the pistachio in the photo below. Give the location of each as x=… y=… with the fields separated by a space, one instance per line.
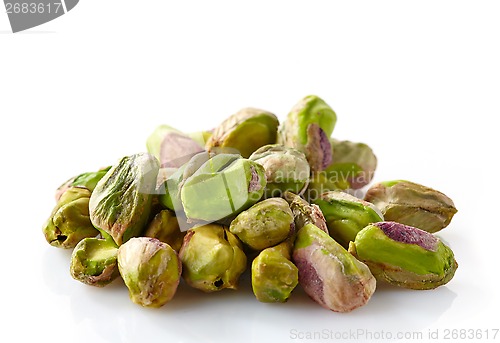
x=263 y=225
x=172 y=147
x=274 y=276
x=404 y=255
x=305 y=213
x=222 y=187
x=346 y=215
x=329 y=274
x=245 y=132
x=70 y=222
x=412 y=204
x=212 y=258
x=94 y=263
x=308 y=128
x=150 y=269
x=286 y=169
x=121 y=202
x=165 y=227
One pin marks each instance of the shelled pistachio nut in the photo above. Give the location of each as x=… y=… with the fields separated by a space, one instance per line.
x=212 y=258
x=165 y=228
x=274 y=276
x=353 y=166
x=94 y=263
x=70 y=222
x=305 y=213
x=329 y=274
x=121 y=202
x=404 y=255
x=244 y=132
x=222 y=187
x=346 y=215
x=264 y=225
x=412 y=204
x=86 y=180
x=286 y=169
x=172 y=147
x=308 y=128
x=150 y=269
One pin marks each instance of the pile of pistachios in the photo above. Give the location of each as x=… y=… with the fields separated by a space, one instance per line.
x=253 y=193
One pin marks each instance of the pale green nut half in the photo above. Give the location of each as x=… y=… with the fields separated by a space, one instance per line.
x=404 y=255
x=274 y=276
x=86 y=180
x=94 y=262
x=150 y=269
x=286 y=169
x=244 y=132
x=305 y=213
x=308 y=128
x=212 y=258
x=346 y=215
x=121 y=202
x=264 y=225
x=222 y=187
x=329 y=274
x=174 y=180
x=165 y=227
x=172 y=147
x=70 y=222
x=412 y=204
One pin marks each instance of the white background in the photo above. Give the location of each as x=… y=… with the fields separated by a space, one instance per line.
x=419 y=81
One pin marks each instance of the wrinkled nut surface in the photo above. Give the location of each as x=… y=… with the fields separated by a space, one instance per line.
x=305 y=213
x=150 y=269
x=329 y=274
x=165 y=227
x=121 y=202
x=212 y=258
x=222 y=187
x=94 y=262
x=70 y=222
x=286 y=169
x=404 y=256
x=412 y=204
x=263 y=225
x=172 y=147
x=244 y=132
x=346 y=215
x=274 y=276
x=308 y=128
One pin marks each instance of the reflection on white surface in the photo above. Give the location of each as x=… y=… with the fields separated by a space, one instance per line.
x=193 y=316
